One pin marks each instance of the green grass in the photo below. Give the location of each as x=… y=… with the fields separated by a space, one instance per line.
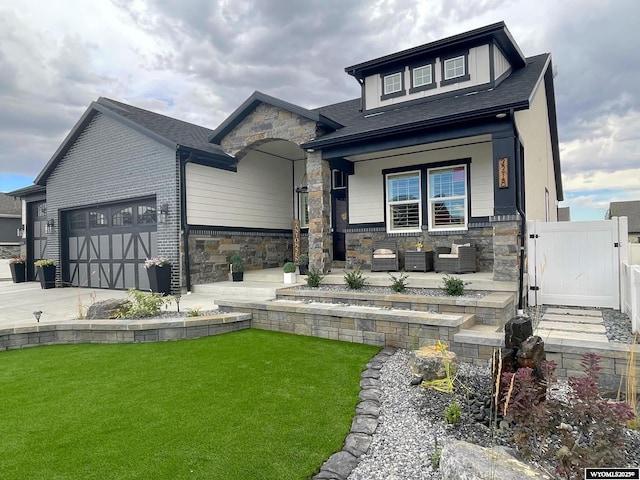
x=246 y=405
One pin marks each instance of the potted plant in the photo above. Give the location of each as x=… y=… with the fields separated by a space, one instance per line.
x=419 y=246
x=18 y=270
x=303 y=263
x=237 y=267
x=46 y=270
x=289 y=272
x=159 y=273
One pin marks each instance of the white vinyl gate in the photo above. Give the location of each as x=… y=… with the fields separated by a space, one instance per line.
x=576 y=263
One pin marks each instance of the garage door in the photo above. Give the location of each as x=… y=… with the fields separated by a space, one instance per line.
x=106 y=246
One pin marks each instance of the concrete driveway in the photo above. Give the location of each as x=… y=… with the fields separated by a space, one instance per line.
x=18 y=301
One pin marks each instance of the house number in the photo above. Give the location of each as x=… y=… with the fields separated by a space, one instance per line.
x=503 y=173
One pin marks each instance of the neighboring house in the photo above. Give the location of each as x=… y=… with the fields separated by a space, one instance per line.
x=631 y=210
x=453 y=140
x=10 y=224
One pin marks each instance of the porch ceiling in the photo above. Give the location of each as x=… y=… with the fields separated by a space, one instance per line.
x=282 y=149
x=424 y=147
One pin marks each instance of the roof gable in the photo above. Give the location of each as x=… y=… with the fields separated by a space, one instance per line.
x=253 y=101
x=173 y=133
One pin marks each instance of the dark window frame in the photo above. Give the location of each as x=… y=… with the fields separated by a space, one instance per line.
x=427 y=86
x=399 y=93
x=461 y=78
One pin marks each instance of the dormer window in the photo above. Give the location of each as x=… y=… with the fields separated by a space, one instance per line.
x=392 y=85
x=422 y=77
x=455 y=69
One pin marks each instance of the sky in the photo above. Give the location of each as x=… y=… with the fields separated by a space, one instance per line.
x=198 y=60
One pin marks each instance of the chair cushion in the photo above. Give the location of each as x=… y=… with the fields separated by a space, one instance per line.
x=384 y=256
x=447 y=255
x=383 y=251
x=454 y=250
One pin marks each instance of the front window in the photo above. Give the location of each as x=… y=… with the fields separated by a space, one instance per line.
x=448 y=198
x=404 y=209
x=303 y=210
x=392 y=83
x=454 y=68
x=422 y=76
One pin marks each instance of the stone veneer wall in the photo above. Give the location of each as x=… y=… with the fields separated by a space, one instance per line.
x=209 y=252
x=319 y=205
x=497 y=245
x=10 y=251
x=360 y=243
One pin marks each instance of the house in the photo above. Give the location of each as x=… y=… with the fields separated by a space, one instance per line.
x=10 y=226
x=452 y=140
x=631 y=210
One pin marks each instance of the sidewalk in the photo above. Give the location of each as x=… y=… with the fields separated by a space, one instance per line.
x=18 y=301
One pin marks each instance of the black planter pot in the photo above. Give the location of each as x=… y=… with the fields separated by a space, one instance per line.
x=47 y=276
x=160 y=279
x=18 y=272
x=237 y=276
x=303 y=269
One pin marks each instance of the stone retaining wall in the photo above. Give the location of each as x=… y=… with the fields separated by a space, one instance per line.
x=352 y=323
x=120 y=331
x=492 y=309
x=567 y=355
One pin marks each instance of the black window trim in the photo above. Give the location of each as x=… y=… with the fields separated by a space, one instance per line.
x=462 y=78
x=399 y=93
x=424 y=168
x=428 y=86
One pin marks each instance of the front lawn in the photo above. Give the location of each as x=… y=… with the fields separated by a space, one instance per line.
x=246 y=405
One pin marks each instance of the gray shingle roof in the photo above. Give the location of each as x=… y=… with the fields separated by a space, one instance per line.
x=177 y=131
x=630 y=209
x=169 y=131
x=514 y=92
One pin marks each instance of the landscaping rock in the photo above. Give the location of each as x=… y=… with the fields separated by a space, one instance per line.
x=430 y=364
x=105 y=309
x=467 y=461
x=516 y=331
x=531 y=353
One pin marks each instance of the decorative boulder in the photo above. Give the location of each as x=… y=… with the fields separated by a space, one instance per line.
x=105 y=309
x=516 y=331
x=466 y=461
x=429 y=363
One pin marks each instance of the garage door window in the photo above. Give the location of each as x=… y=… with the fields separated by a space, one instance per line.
x=123 y=217
x=146 y=215
x=97 y=220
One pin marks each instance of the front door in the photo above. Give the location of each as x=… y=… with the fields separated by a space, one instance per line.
x=36 y=235
x=340 y=220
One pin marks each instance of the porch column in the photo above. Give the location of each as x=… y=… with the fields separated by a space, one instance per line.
x=319 y=205
x=504 y=173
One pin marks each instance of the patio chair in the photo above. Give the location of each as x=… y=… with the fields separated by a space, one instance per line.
x=455 y=259
x=384 y=256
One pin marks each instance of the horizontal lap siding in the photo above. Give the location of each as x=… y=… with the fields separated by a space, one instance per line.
x=258 y=195
x=366 y=186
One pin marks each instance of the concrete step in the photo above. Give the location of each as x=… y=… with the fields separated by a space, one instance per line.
x=238 y=290
x=488 y=335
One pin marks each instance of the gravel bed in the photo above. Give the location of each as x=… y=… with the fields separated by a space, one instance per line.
x=412 y=421
x=428 y=292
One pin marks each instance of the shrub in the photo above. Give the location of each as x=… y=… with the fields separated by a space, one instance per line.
x=45 y=262
x=314 y=278
x=590 y=428
x=142 y=304
x=303 y=259
x=454 y=286
x=194 y=312
x=289 y=267
x=355 y=280
x=237 y=264
x=452 y=413
x=400 y=282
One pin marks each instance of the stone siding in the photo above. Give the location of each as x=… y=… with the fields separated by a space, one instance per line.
x=268 y=123
x=360 y=243
x=319 y=205
x=10 y=251
x=209 y=252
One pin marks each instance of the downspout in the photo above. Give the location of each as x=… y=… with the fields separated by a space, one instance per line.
x=183 y=219
x=523 y=222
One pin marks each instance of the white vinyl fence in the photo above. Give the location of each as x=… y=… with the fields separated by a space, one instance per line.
x=634 y=254
x=631 y=296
